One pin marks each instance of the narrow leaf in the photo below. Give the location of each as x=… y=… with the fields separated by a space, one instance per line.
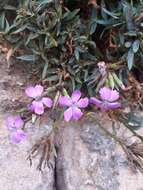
x=130 y=59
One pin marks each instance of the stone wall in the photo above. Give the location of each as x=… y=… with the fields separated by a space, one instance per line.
x=87 y=159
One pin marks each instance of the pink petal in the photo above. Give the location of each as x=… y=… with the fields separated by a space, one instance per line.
x=76 y=96
x=114 y=96
x=65 y=101
x=10 y=123
x=14 y=122
x=30 y=107
x=18 y=136
x=105 y=106
x=18 y=122
x=77 y=113
x=83 y=103
x=95 y=101
x=34 y=92
x=39 y=90
x=108 y=94
x=30 y=92
x=38 y=107
x=47 y=102
x=68 y=114
x=114 y=105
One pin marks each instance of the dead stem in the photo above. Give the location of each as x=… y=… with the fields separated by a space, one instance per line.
x=45 y=148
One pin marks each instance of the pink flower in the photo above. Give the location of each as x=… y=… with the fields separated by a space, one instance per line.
x=108 y=100
x=14 y=125
x=74 y=103
x=39 y=102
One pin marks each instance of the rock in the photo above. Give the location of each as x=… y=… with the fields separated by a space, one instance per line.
x=15 y=170
x=90 y=160
x=86 y=159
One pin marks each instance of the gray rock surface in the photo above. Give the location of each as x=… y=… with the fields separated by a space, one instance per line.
x=15 y=170
x=91 y=157
x=86 y=159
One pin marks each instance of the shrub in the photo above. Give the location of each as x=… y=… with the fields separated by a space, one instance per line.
x=65 y=40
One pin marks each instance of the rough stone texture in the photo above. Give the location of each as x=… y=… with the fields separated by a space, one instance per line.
x=89 y=160
x=86 y=158
x=15 y=170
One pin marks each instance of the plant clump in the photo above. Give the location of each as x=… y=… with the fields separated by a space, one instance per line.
x=78 y=48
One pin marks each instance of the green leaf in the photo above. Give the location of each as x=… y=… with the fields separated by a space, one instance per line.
x=70 y=15
x=128 y=14
x=130 y=59
x=92 y=27
x=27 y=58
x=105 y=22
x=6 y=25
x=135 y=46
x=2 y=20
x=111 y=81
x=109 y=13
x=44 y=73
x=76 y=53
x=53 y=78
x=31 y=37
x=20 y=29
x=53 y=42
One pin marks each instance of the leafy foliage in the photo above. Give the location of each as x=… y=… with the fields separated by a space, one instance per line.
x=65 y=40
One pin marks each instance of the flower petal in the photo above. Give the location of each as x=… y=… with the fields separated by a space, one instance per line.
x=47 y=102
x=76 y=96
x=95 y=101
x=65 y=101
x=108 y=94
x=18 y=136
x=68 y=114
x=18 y=122
x=113 y=105
x=30 y=107
x=39 y=90
x=14 y=122
x=30 y=92
x=83 y=103
x=77 y=113
x=38 y=107
x=34 y=92
x=10 y=123
x=114 y=96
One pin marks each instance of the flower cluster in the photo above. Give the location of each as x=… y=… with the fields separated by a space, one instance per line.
x=14 y=125
x=74 y=105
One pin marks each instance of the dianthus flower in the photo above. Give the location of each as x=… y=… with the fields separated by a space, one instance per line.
x=38 y=102
x=14 y=125
x=74 y=103
x=108 y=100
